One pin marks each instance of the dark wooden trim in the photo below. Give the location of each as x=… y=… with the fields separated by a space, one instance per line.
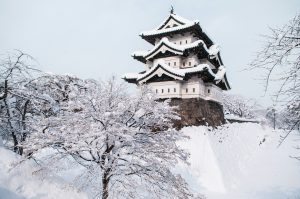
x=159 y=66
x=167 y=21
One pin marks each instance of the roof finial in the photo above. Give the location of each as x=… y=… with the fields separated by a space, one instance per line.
x=172 y=10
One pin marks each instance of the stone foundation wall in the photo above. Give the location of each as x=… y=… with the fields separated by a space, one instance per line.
x=196 y=111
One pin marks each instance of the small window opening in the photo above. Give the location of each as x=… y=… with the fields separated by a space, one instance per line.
x=180 y=42
x=190 y=63
x=186 y=90
x=169 y=64
x=186 y=41
x=162 y=90
x=194 y=90
x=168 y=90
x=156 y=91
x=208 y=90
x=174 y=63
x=183 y=63
x=174 y=90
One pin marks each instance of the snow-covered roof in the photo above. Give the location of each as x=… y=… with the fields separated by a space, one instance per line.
x=175 y=48
x=177 y=18
x=180 y=73
x=220 y=73
x=167 y=30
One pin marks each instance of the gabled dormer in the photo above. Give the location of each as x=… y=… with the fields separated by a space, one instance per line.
x=172 y=21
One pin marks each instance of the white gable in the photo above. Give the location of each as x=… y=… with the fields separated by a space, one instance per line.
x=171 y=23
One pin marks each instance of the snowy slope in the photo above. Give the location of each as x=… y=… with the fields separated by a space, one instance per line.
x=20 y=183
x=241 y=161
x=236 y=161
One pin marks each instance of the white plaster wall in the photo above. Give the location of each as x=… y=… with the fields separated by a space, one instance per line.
x=213 y=92
x=190 y=61
x=206 y=91
x=179 y=60
x=194 y=88
x=174 y=61
x=180 y=39
x=166 y=89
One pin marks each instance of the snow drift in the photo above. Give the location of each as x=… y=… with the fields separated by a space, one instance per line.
x=21 y=183
x=241 y=161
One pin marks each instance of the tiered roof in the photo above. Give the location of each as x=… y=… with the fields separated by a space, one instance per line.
x=166 y=48
x=160 y=68
x=175 y=49
x=183 y=27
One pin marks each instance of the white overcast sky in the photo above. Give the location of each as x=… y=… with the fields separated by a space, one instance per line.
x=95 y=38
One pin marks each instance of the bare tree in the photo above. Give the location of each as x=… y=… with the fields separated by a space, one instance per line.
x=280 y=59
x=16 y=72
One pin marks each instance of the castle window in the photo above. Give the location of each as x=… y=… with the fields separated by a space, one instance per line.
x=168 y=90
x=162 y=90
x=174 y=63
x=180 y=42
x=190 y=63
x=186 y=41
x=194 y=90
x=156 y=91
x=183 y=63
x=186 y=90
x=174 y=90
x=208 y=90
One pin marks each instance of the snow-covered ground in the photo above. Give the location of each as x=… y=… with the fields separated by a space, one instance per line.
x=21 y=183
x=241 y=161
x=236 y=161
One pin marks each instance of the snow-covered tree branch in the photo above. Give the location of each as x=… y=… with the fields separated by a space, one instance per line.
x=128 y=141
x=238 y=106
x=16 y=100
x=280 y=59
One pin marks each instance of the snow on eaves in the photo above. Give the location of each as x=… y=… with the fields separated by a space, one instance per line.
x=220 y=74
x=156 y=32
x=178 y=72
x=212 y=51
x=176 y=17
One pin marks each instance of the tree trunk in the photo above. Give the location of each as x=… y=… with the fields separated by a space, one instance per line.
x=15 y=142
x=105 y=181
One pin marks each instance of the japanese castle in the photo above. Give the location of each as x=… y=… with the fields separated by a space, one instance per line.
x=183 y=63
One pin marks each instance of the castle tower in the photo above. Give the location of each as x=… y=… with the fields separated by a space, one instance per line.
x=184 y=65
